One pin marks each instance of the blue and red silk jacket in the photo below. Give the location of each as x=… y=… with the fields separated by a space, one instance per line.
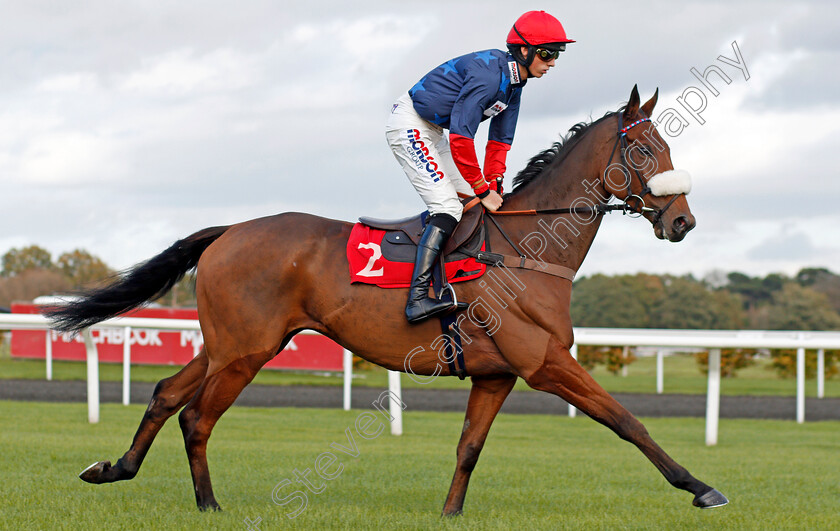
x=460 y=94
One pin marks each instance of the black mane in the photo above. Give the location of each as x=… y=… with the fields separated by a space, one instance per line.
x=554 y=154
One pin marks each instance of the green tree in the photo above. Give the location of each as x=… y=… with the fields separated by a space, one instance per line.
x=30 y=284
x=809 y=276
x=16 y=261
x=689 y=303
x=613 y=357
x=774 y=282
x=729 y=314
x=612 y=302
x=651 y=301
x=731 y=360
x=754 y=291
x=181 y=295
x=82 y=268
x=798 y=308
x=822 y=281
x=784 y=363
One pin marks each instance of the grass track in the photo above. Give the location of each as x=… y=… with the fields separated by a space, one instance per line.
x=536 y=472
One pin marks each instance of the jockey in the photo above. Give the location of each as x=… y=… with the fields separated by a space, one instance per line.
x=457 y=96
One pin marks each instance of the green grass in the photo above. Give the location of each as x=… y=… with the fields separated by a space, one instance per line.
x=681 y=376
x=536 y=472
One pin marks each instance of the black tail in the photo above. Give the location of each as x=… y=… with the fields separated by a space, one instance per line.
x=144 y=282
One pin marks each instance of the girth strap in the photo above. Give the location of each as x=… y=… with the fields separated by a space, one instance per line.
x=521 y=262
x=453 y=351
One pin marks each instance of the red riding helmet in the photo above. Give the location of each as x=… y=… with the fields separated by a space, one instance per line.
x=535 y=29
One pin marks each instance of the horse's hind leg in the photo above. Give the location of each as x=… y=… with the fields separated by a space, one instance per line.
x=216 y=394
x=486 y=398
x=560 y=374
x=169 y=396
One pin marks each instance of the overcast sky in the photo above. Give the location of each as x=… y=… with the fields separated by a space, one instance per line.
x=127 y=125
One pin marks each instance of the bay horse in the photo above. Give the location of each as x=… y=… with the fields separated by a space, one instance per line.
x=260 y=282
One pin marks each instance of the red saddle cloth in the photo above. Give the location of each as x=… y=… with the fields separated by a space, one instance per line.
x=367 y=265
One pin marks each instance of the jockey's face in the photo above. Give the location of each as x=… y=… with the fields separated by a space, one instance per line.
x=539 y=67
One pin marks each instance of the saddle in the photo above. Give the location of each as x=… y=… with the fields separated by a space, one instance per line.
x=412 y=227
x=399 y=244
x=401 y=236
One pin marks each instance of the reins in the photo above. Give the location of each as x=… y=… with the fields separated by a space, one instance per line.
x=603 y=208
x=523 y=262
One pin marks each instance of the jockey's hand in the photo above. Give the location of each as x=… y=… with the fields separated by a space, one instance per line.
x=492 y=202
x=496 y=183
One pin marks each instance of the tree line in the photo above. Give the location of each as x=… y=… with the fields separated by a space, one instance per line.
x=810 y=300
x=29 y=272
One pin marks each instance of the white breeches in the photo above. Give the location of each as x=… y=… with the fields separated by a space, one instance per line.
x=422 y=149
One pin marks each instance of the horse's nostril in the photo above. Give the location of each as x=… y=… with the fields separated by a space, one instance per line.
x=680 y=223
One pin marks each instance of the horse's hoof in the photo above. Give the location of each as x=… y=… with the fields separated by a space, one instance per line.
x=93 y=473
x=713 y=498
x=209 y=507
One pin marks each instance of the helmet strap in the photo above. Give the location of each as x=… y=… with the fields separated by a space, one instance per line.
x=526 y=61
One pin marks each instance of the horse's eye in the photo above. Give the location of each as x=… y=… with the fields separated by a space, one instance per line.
x=646 y=151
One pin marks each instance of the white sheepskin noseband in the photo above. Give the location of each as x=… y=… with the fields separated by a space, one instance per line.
x=670 y=182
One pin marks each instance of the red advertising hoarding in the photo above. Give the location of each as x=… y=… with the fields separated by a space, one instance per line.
x=164 y=347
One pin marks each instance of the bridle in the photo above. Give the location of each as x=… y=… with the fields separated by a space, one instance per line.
x=523 y=262
x=624 y=207
x=621 y=140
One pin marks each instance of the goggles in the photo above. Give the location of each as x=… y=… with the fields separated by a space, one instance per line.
x=547 y=55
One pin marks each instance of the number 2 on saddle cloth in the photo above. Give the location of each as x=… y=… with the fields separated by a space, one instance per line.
x=382 y=253
x=386 y=258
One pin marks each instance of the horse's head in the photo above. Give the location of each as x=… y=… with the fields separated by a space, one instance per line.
x=641 y=174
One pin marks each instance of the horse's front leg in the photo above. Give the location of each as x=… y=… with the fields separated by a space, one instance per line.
x=561 y=375
x=486 y=398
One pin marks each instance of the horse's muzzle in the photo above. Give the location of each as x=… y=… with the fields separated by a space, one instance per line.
x=674 y=230
x=680 y=227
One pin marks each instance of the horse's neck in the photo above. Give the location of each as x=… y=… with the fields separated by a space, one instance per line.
x=575 y=182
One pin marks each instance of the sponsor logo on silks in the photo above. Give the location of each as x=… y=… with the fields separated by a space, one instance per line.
x=394 y=108
x=420 y=155
x=495 y=109
x=514 y=72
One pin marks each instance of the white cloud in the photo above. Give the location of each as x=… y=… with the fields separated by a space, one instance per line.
x=151 y=131
x=371 y=39
x=766 y=157
x=340 y=63
x=74 y=158
x=182 y=72
x=73 y=82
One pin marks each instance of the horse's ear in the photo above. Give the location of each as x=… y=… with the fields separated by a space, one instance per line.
x=647 y=108
x=632 y=108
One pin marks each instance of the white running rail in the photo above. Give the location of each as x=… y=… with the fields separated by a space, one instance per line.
x=714 y=340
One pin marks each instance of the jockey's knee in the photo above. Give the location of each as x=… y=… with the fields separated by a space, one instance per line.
x=451 y=207
x=445 y=222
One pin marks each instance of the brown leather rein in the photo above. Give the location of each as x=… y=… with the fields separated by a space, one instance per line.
x=523 y=262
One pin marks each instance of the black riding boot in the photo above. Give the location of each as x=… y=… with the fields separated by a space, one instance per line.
x=420 y=306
